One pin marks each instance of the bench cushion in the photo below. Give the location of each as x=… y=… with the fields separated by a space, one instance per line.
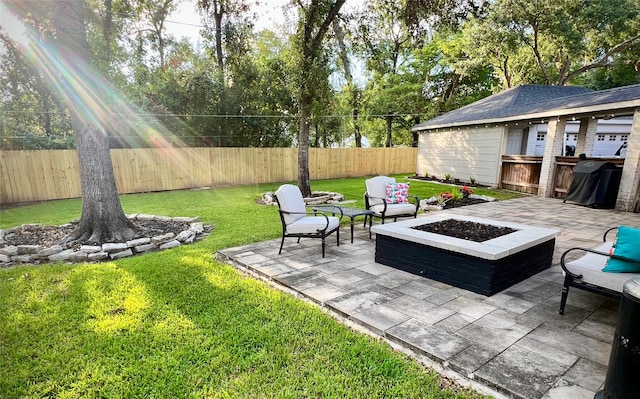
x=590 y=267
x=395 y=209
x=312 y=225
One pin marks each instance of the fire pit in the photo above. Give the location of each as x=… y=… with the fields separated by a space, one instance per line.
x=486 y=267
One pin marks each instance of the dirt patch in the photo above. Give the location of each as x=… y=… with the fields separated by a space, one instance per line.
x=465 y=230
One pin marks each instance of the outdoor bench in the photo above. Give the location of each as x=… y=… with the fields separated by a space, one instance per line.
x=586 y=272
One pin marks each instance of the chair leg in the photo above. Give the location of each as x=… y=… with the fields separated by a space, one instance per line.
x=323 y=247
x=565 y=293
x=281 y=244
x=338 y=237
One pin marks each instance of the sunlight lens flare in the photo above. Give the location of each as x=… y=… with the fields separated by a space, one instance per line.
x=11 y=25
x=92 y=97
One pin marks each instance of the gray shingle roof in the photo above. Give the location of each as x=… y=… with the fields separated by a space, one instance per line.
x=533 y=100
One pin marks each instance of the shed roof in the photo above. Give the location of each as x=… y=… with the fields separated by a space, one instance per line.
x=529 y=102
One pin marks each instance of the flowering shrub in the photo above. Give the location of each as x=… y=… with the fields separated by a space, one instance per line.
x=466 y=191
x=443 y=198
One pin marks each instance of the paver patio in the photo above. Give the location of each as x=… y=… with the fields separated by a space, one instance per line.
x=512 y=344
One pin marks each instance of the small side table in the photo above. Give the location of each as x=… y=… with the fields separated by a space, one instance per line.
x=346 y=211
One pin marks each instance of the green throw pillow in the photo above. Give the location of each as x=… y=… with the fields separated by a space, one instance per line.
x=628 y=246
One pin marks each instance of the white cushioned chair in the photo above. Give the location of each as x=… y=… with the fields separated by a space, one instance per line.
x=297 y=222
x=375 y=199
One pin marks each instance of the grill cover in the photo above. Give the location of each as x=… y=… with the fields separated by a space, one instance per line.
x=595 y=184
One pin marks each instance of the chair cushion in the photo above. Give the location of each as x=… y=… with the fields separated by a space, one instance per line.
x=377 y=187
x=397 y=193
x=291 y=200
x=590 y=267
x=628 y=246
x=394 y=209
x=311 y=225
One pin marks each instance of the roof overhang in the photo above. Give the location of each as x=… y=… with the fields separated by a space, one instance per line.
x=597 y=111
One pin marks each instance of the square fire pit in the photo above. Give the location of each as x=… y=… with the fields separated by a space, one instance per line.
x=485 y=268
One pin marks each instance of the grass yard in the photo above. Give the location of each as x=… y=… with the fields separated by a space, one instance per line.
x=180 y=324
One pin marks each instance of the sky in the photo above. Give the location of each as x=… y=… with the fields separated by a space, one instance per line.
x=186 y=21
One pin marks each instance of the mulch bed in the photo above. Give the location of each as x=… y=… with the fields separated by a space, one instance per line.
x=465 y=230
x=50 y=235
x=463 y=202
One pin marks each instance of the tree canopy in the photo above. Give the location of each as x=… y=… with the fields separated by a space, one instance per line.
x=368 y=74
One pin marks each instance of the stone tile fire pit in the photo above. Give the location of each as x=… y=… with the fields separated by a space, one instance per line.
x=485 y=268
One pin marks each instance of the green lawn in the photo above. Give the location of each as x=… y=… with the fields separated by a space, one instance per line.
x=178 y=323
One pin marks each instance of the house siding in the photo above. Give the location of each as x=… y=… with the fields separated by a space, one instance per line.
x=462 y=153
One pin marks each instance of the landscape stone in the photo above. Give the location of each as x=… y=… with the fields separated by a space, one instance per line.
x=77 y=256
x=96 y=256
x=185 y=235
x=61 y=256
x=170 y=244
x=114 y=246
x=54 y=249
x=29 y=249
x=26 y=258
x=198 y=227
x=121 y=254
x=162 y=239
x=5 y=258
x=90 y=248
x=144 y=248
x=138 y=241
x=9 y=250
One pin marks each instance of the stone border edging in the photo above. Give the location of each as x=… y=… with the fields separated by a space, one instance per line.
x=37 y=254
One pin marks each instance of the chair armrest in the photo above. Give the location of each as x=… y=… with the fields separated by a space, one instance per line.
x=604 y=237
x=564 y=255
x=593 y=251
x=297 y=213
x=416 y=199
x=367 y=205
x=335 y=211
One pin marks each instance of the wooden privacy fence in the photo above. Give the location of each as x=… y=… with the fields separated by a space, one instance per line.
x=53 y=174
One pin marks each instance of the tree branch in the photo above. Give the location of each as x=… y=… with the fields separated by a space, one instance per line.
x=331 y=15
x=603 y=61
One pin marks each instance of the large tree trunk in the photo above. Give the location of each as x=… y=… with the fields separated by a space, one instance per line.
x=304 y=108
x=102 y=219
x=389 y=141
x=311 y=34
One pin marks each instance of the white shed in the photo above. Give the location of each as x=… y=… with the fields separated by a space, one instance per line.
x=534 y=120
